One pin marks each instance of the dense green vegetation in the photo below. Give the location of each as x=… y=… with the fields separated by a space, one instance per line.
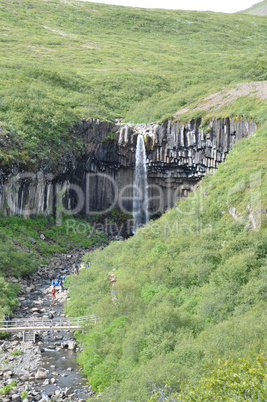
x=225 y=380
x=191 y=289
x=65 y=60
x=17 y=232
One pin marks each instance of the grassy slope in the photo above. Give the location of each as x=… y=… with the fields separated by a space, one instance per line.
x=63 y=60
x=257 y=9
x=191 y=286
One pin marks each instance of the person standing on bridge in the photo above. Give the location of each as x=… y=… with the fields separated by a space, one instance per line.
x=50 y=317
x=53 y=292
x=5 y=320
x=9 y=319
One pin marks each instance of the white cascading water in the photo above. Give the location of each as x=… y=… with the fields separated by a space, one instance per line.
x=140 y=196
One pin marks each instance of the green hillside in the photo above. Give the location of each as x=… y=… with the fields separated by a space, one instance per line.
x=257 y=9
x=65 y=60
x=191 y=291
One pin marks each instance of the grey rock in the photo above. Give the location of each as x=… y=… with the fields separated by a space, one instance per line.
x=71 y=345
x=9 y=381
x=68 y=391
x=8 y=374
x=41 y=374
x=16 y=398
x=57 y=343
x=35 y=309
x=72 y=397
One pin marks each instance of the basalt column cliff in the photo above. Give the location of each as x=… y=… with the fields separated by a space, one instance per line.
x=178 y=156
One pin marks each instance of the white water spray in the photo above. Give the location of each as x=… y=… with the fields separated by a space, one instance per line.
x=140 y=197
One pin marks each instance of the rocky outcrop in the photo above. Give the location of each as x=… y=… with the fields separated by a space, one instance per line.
x=178 y=156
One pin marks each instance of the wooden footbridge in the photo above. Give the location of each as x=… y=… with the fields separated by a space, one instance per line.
x=30 y=326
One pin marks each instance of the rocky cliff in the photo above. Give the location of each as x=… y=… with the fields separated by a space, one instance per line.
x=101 y=177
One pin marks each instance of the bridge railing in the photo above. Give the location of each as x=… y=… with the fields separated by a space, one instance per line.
x=43 y=323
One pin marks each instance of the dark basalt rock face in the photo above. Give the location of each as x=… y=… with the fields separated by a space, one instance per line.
x=101 y=177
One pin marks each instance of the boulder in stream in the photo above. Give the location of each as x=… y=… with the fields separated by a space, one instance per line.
x=41 y=374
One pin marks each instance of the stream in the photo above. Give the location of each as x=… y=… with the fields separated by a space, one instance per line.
x=47 y=369
x=62 y=361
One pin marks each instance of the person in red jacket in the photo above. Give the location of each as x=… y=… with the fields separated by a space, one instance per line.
x=53 y=292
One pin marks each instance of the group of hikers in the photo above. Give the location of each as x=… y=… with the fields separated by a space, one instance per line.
x=60 y=279
x=54 y=282
x=77 y=267
x=7 y=319
x=57 y=282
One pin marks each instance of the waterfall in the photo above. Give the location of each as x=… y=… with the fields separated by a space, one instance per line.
x=140 y=197
x=48 y=203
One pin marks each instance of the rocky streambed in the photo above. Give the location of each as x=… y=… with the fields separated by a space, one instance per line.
x=46 y=369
